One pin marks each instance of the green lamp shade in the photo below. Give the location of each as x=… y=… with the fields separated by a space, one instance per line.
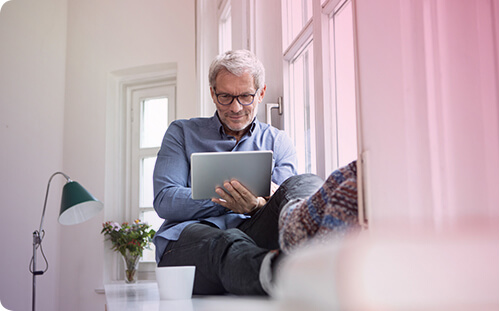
x=77 y=204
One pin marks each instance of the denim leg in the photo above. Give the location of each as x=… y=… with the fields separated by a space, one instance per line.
x=225 y=260
x=263 y=226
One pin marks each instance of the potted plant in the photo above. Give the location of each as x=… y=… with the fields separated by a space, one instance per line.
x=129 y=240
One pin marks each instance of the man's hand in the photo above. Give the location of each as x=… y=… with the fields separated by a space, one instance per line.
x=238 y=198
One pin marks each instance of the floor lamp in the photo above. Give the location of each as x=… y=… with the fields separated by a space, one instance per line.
x=77 y=206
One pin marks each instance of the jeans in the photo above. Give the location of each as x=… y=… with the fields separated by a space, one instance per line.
x=228 y=261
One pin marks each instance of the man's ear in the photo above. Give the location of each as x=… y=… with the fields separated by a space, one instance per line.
x=212 y=93
x=262 y=93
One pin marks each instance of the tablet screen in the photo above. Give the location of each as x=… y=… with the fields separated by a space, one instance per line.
x=211 y=169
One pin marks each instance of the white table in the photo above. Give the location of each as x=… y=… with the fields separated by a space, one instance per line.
x=143 y=296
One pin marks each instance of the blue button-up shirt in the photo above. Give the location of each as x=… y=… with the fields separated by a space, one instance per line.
x=172 y=178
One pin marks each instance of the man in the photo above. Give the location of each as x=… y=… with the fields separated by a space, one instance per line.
x=226 y=238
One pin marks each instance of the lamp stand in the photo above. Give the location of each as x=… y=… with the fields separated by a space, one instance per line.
x=77 y=206
x=37 y=242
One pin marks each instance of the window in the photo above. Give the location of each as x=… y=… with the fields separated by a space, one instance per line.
x=225 y=27
x=153 y=108
x=142 y=104
x=298 y=13
x=319 y=83
x=343 y=85
x=302 y=101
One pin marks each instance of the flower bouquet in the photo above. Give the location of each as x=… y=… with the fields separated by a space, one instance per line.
x=129 y=240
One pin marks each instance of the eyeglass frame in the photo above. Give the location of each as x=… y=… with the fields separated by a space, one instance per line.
x=235 y=96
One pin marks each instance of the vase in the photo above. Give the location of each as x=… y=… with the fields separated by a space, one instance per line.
x=131 y=262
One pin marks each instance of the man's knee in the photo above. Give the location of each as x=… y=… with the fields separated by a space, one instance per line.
x=227 y=238
x=302 y=186
x=303 y=178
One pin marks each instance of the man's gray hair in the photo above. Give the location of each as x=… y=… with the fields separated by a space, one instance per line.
x=238 y=62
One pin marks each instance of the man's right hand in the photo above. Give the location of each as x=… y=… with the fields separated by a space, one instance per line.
x=238 y=198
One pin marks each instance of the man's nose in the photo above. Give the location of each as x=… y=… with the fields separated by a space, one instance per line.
x=235 y=106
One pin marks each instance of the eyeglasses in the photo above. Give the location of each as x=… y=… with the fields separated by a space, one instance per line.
x=243 y=99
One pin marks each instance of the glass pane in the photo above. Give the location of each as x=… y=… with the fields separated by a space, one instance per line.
x=345 y=95
x=299 y=13
x=154 y=121
x=303 y=125
x=225 y=31
x=148 y=255
x=151 y=218
x=146 y=182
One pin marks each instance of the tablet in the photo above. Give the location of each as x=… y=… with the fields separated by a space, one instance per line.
x=211 y=169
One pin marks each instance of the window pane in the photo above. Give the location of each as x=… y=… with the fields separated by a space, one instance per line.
x=154 y=121
x=151 y=218
x=148 y=255
x=225 y=30
x=146 y=182
x=299 y=13
x=303 y=125
x=345 y=95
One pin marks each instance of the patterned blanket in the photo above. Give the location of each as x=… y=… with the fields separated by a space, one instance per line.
x=331 y=211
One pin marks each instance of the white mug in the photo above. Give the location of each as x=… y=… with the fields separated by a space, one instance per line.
x=175 y=282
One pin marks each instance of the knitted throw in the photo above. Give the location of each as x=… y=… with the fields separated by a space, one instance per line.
x=331 y=211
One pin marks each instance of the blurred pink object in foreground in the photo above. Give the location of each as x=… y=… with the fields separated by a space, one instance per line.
x=396 y=270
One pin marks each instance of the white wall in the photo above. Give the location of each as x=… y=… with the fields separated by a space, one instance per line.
x=269 y=50
x=103 y=37
x=32 y=69
x=55 y=58
x=206 y=49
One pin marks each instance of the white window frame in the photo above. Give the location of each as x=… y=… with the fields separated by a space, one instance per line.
x=337 y=111
x=120 y=177
x=294 y=120
x=317 y=30
x=143 y=92
x=225 y=27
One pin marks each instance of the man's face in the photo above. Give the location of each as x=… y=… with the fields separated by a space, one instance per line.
x=235 y=117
